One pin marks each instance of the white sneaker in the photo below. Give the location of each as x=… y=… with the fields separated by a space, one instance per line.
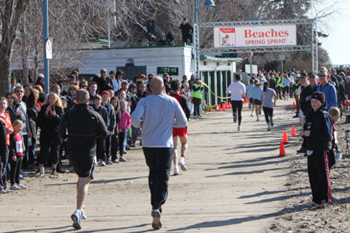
x=176 y=170
x=251 y=115
x=338 y=156
x=21 y=186
x=83 y=214
x=269 y=128
x=257 y=119
x=102 y=163
x=183 y=166
x=239 y=128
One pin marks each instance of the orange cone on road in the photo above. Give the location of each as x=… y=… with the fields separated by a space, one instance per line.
x=226 y=105
x=285 y=138
x=293 y=131
x=219 y=107
x=282 y=151
x=246 y=100
x=294 y=105
x=243 y=102
x=223 y=107
x=229 y=105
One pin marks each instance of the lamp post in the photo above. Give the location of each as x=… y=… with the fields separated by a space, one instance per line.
x=196 y=34
x=46 y=37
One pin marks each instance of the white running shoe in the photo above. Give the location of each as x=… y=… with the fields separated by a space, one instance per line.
x=21 y=186
x=83 y=214
x=269 y=128
x=76 y=216
x=176 y=170
x=102 y=163
x=156 y=223
x=183 y=166
x=239 y=128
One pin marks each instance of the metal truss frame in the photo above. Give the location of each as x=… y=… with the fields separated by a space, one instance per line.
x=313 y=47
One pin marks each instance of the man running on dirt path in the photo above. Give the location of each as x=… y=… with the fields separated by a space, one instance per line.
x=82 y=126
x=158 y=112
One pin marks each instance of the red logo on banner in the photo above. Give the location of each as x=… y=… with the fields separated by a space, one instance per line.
x=227 y=30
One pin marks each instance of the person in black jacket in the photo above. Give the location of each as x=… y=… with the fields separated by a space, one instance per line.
x=101 y=141
x=317 y=133
x=48 y=121
x=186 y=30
x=103 y=82
x=111 y=121
x=114 y=137
x=82 y=146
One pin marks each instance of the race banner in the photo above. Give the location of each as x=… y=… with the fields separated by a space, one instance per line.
x=255 y=36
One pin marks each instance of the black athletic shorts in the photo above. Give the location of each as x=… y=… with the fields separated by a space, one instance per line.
x=257 y=102
x=251 y=100
x=83 y=166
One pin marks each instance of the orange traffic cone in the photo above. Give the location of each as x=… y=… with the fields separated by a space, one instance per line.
x=246 y=100
x=293 y=131
x=226 y=105
x=223 y=107
x=282 y=151
x=219 y=107
x=285 y=138
x=243 y=102
x=229 y=105
x=294 y=105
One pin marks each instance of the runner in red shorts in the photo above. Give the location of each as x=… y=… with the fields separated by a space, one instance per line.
x=179 y=132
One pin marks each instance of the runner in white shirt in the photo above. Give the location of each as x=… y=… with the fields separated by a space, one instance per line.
x=237 y=91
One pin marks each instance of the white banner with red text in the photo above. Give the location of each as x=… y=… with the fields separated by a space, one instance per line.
x=255 y=36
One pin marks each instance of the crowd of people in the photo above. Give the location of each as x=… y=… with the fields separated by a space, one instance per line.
x=126 y=113
x=112 y=96
x=320 y=100
x=265 y=88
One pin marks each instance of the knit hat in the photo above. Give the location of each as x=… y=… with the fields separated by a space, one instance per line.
x=319 y=96
x=106 y=92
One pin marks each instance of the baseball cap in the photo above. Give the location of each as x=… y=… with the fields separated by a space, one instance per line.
x=196 y=78
x=41 y=76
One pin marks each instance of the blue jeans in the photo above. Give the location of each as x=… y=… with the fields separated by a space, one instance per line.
x=196 y=111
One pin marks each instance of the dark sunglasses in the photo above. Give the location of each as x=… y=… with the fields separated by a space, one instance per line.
x=322 y=75
x=19 y=91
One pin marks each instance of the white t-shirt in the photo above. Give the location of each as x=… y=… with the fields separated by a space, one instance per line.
x=237 y=90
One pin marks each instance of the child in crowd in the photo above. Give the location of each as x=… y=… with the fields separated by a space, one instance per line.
x=114 y=137
x=124 y=125
x=317 y=133
x=334 y=154
x=16 y=154
x=101 y=141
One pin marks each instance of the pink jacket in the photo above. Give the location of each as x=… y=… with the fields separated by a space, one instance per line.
x=125 y=120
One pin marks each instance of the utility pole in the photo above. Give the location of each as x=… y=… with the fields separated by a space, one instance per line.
x=46 y=37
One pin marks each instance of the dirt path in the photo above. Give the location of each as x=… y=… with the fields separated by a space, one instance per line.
x=234 y=183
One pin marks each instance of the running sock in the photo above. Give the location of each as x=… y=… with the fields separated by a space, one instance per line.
x=182 y=159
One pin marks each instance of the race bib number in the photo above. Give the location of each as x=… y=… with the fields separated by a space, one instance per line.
x=19 y=147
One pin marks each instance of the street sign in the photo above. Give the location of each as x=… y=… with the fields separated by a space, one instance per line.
x=48 y=48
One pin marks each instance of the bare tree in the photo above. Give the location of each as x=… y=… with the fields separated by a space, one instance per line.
x=10 y=18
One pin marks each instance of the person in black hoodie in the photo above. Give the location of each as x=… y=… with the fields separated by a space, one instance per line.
x=101 y=141
x=48 y=121
x=317 y=133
